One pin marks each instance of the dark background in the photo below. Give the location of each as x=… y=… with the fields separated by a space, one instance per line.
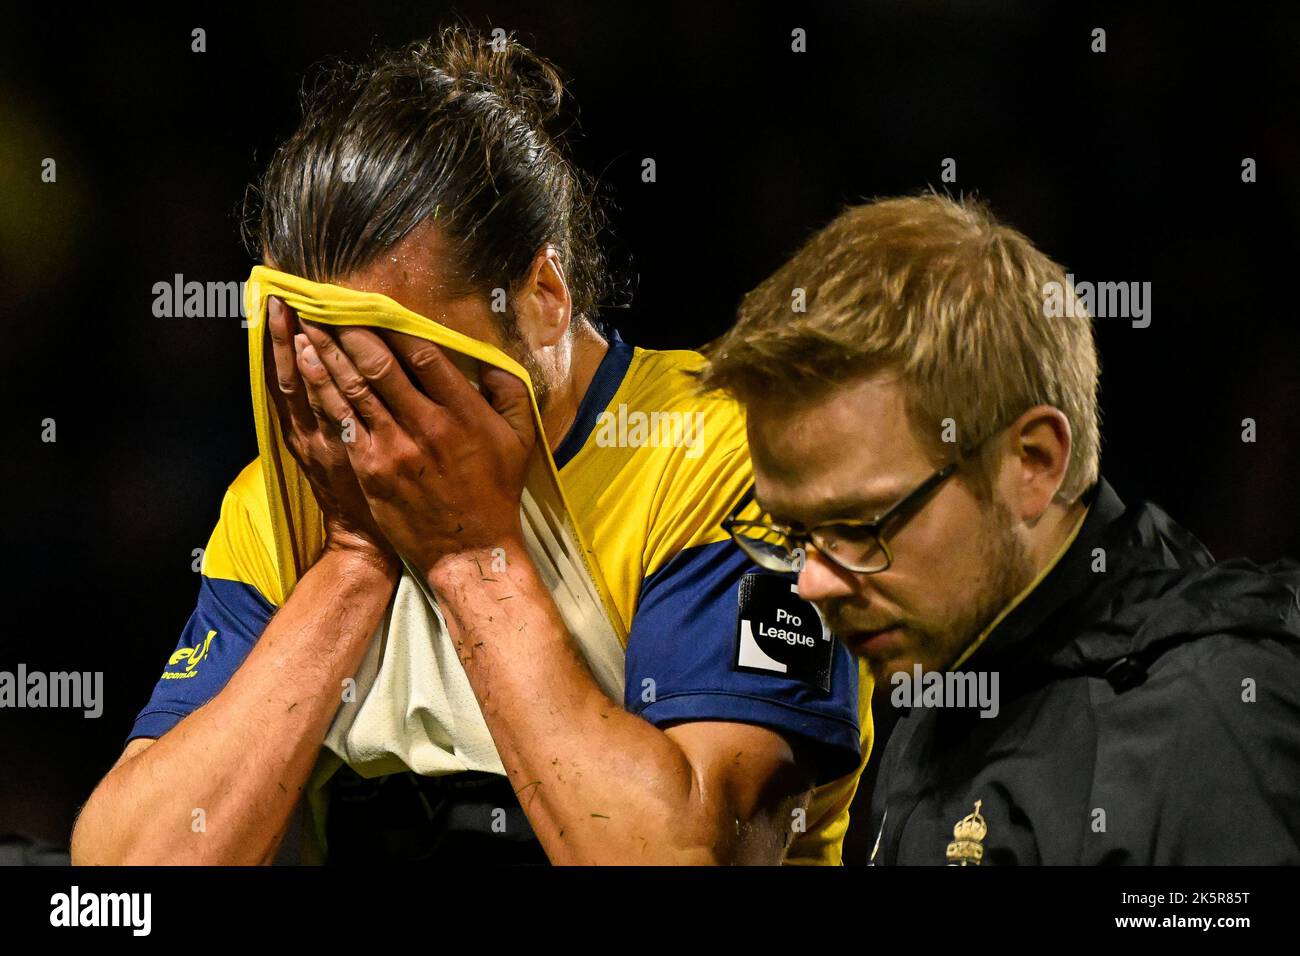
x=1124 y=166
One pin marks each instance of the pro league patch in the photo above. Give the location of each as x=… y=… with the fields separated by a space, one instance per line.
x=777 y=632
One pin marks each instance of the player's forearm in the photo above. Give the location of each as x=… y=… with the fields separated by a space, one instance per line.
x=599 y=785
x=243 y=758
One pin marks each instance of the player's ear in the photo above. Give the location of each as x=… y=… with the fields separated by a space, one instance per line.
x=542 y=304
x=1041 y=441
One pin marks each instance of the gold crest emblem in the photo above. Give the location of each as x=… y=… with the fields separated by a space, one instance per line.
x=967 y=848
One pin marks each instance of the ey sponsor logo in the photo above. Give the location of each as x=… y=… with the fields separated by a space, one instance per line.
x=190 y=657
x=82 y=690
x=75 y=908
x=952 y=689
x=636 y=429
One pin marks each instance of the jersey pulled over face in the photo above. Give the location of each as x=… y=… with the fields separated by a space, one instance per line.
x=650 y=468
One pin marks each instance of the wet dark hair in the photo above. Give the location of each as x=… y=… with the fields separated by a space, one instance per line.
x=446 y=128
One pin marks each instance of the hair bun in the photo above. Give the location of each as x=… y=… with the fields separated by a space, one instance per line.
x=502 y=65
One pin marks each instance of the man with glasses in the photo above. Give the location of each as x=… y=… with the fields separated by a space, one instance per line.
x=925 y=445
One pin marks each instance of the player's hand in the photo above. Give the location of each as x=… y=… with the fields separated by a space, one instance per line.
x=441 y=465
x=316 y=442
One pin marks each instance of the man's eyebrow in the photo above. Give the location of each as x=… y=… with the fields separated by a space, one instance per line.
x=860 y=506
x=857 y=507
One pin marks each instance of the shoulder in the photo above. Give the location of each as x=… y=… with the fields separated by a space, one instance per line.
x=1194 y=626
x=1203 y=625
x=1220 y=642
x=242 y=544
x=1204 y=754
x=247 y=497
x=668 y=381
x=690 y=449
x=1225 y=678
x=248 y=490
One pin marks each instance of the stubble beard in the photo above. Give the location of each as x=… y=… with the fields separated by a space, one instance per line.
x=1006 y=570
x=517 y=348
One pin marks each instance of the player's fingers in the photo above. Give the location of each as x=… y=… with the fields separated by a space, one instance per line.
x=349 y=382
x=282 y=323
x=382 y=369
x=438 y=377
x=332 y=410
x=508 y=396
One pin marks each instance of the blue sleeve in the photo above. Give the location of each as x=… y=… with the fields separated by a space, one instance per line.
x=683 y=664
x=228 y=620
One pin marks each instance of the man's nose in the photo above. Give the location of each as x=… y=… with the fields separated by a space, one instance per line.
x=820 y=580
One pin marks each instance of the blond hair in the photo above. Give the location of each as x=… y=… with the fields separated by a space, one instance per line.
x=943 y=293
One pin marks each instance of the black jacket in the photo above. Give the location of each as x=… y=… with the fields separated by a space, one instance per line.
x=1126 y=731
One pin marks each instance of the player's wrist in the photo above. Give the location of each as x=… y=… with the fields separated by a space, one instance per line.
x=488 y=564
x=360 y=550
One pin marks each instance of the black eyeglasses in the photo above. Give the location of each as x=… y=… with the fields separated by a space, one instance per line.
x=855 y=545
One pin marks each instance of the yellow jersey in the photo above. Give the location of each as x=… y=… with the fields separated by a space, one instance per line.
x=650 y=468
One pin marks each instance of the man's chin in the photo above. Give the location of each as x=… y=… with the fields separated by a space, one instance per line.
x=886 y=652
x=883 y=669
x=878 y=645
x=890 y=652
